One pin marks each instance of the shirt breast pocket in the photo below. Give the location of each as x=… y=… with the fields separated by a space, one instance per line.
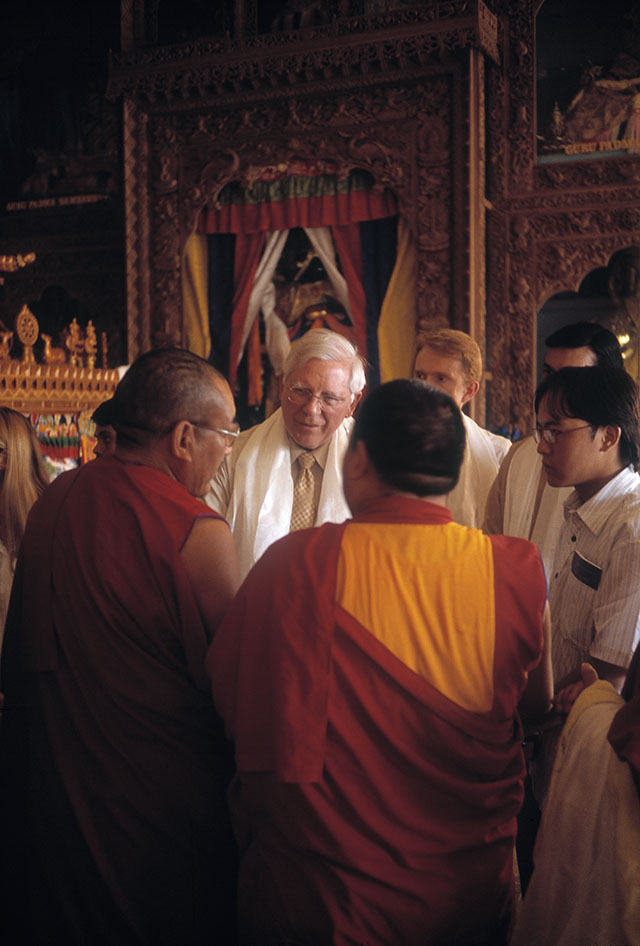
x=586 y=572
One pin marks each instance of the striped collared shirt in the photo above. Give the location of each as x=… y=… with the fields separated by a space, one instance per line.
x=595 y=583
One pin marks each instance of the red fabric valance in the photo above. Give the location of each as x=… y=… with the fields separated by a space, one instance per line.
x=326 y=211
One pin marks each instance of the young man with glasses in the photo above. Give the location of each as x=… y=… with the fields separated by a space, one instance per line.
x=520 y=501
x=286 y=473
x=588 y=435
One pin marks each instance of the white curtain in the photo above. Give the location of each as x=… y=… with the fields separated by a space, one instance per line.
x=263 y=294
x=322 y=242
x=263 y=286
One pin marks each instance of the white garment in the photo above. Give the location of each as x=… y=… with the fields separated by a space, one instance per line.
x=523 y=481
x=585 y=888
x=483 y=454
x=253 y=489
x=594 y=593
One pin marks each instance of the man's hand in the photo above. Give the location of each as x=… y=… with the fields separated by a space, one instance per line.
x=566 y=697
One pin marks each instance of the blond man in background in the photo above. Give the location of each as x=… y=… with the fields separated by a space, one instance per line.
x=451 y=360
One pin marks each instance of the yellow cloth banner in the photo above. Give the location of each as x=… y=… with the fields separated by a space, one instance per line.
x=397 y=324
x=195 y=303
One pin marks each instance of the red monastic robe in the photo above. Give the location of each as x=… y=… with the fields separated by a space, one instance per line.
x=113 y=762
x=379 y=763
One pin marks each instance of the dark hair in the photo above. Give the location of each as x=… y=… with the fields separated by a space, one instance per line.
x=160 y=388
x=600 y=396
x=603 y=343
x=414 y=436
x=103 y=414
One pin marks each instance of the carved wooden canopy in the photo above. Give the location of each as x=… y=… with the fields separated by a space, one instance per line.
x=436 y=101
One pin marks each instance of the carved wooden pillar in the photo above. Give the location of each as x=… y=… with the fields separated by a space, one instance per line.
x=136 y=228
x=476 y=214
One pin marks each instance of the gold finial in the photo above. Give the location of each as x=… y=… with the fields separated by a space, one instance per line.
x=75 y=343
x=91 y=345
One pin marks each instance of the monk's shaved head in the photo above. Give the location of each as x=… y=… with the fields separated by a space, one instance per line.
x=160 y=388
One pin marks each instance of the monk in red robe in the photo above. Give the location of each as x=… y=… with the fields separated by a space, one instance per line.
x=113 y=763
x=370 y=674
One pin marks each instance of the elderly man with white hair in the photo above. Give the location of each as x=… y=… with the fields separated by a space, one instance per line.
x=286 y=473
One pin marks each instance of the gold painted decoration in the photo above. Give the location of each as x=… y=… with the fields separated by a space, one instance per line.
x=52 y=355
x=27 y=331
x=11 y=264
x=55 y=386
x=90 y=344
x=6 y=343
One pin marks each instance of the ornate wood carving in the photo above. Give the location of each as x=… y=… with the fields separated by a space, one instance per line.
x=381 y=93
x=400 y=132
x=136 y=229
x=393 y=94
x=549 y=225
x=385 y=94
x=348 y=46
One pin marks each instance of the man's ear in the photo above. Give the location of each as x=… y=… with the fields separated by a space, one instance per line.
x=611 y=436
x=470 y=392
x=181 y=440
x=356 y=400
x=360 y=461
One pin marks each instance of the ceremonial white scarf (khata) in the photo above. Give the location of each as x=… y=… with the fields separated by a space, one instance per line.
x=260 y=508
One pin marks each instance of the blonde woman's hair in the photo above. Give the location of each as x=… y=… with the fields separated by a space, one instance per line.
x=25 y=477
